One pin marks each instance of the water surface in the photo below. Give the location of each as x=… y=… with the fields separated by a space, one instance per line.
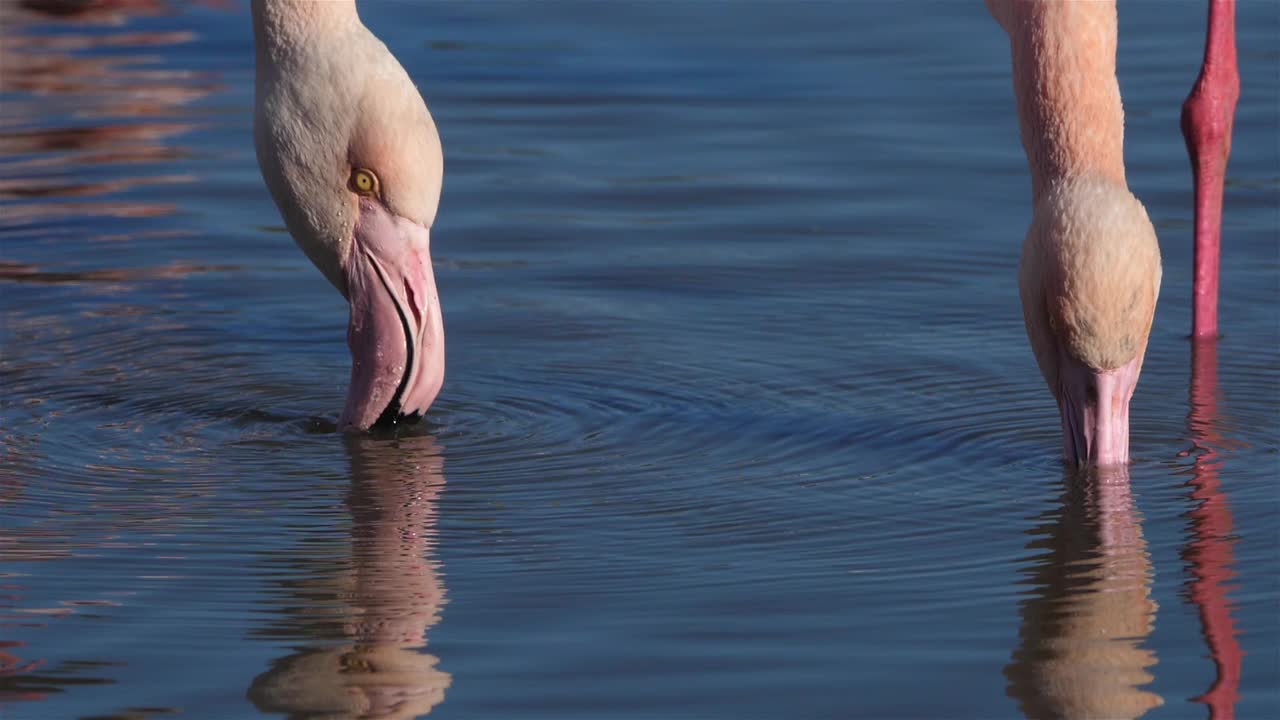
x=740 y=419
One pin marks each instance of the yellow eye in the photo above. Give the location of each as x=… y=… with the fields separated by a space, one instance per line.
x=364 y=182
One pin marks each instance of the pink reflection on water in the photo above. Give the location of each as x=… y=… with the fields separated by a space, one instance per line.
x=1082 y=649
x=80 y=132
x=1209 y=550
x=73 y=113
x=392 y=594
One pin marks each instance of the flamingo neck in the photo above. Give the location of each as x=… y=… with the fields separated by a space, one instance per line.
x=283 y=27
x=1064 y=76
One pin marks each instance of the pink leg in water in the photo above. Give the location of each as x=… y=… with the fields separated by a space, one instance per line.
x=1207 y=118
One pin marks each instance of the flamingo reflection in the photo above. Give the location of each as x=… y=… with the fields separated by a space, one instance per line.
x=389 y=597
x=85 y=123
x=1209 y=550
x=1082 y=638
x=87 y=116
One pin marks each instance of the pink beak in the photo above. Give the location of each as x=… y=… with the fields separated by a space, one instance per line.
x=396 y=332
x=1094 y=405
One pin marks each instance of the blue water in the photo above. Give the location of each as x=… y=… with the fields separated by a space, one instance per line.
x=740 y=419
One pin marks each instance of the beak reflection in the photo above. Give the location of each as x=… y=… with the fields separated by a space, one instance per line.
x=387 y=597
x=1081 y=651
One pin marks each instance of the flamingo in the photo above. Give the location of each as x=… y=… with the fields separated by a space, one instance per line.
x=352 y=158
x=1090 y=271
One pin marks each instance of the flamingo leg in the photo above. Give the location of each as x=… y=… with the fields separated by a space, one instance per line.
x=1207 y=118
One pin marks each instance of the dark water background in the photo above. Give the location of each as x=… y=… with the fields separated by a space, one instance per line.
x=740 y=420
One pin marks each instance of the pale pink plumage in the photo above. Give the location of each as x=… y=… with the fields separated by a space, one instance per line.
x=1090 y=271
x=331 y=100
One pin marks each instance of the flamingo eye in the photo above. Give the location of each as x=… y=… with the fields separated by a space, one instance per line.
x=364 y=182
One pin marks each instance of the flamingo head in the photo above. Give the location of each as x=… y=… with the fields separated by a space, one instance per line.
x=353 y=161
x=1089 y=280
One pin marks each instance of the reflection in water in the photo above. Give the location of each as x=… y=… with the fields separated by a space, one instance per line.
x=386 y=599
x=1209 y=550
x=84 y=120
x=1081 y=648
x=84 y=125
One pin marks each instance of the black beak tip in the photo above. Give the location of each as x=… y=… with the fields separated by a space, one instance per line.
x=393 y=416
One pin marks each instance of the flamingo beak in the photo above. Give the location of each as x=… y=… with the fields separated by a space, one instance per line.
x=1094 y=405
x=395 y=333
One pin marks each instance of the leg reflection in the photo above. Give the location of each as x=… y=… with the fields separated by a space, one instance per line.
x=1209 y=549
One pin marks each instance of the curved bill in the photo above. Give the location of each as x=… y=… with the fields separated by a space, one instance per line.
x=396 y=333
x=1094 y=405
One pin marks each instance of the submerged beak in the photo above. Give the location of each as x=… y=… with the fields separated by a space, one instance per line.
x=1095 y=411
x=396 y=332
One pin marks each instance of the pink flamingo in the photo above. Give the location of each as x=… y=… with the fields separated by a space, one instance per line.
x=1090 y=271
x=353 y=161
